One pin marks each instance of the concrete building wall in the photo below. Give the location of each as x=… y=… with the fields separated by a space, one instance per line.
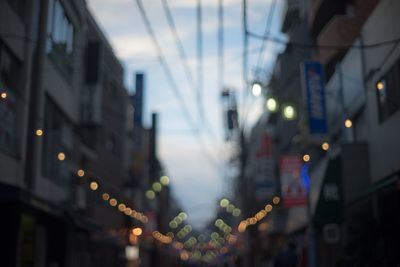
x=384 y=136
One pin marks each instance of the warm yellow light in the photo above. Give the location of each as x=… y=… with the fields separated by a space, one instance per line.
x=164 y=180
x=121 y=207
x=157 y=187
x=113 y=202
x=184 y=255
x=224 y=203
x=94 y=186
x=80 y=173
x=272 y=104
x=106 y=196
x=137 y=231
x=276 y=200
x=39 y=132
x=325 y=146
x=268 y=208
x=306 y=158
x=61 y=156
x=380 y=85
x=150 y=194
x=128 y=211
x=4 y=95
x=348 y=123
x=242 y=226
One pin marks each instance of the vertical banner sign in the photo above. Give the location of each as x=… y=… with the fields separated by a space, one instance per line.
x=293 y=191
x=264 y=178
x=313 y=82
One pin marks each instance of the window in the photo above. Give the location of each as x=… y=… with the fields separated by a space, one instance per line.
x=388 y=92
x=57 y=129
x=10 y=68
x=60 y=36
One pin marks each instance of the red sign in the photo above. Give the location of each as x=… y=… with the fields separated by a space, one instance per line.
x=293 y=190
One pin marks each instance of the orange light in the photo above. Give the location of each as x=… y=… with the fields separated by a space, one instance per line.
x=4 y=95
x=39 y=132
x=325 y=146
x=380 y=85
x=81 y=173
x=128 y=211
x=137 y=231
x=268 y=208
x=276 y=200
x=184 y=255
x=106 y=196
x=113 y=202
x=61 y=156
x=263 y=227
x=306 y=158
x=348 y=123
x=121 y=207
x=94 y=186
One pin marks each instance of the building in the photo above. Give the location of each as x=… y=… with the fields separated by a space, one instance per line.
x=64 y=139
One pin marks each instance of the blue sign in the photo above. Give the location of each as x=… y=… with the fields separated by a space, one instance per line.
x=315 y=97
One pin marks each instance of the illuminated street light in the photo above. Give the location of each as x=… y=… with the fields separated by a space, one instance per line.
x=137 y=231
x=289 y=112
x=306 y=158
x=348 y=123
x=272 y=104
x=325 y=146
x=3 y=95
x=39 y=132
x=380 y=85
x=80 y=173
x=256 y=89
x=61 y=156
x=94 y=186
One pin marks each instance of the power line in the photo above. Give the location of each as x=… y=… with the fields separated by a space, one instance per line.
x=199 y=60
x=165 y=66
x=323 y=47
x=183 y=58
x=182 y=53
x=171 y=80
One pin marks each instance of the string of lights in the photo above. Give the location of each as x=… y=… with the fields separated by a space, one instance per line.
x=181 y=50
x=321 y=47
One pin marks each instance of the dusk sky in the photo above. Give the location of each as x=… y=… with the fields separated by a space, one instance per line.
x=197 y=183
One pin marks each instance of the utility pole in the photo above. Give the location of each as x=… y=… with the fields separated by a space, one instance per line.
x=36 y=103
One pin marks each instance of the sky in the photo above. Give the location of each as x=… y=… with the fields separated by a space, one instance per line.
x=195 y=163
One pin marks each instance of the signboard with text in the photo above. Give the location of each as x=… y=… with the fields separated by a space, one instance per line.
x=264 y=178
x=293 y=190
x=313 y=82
